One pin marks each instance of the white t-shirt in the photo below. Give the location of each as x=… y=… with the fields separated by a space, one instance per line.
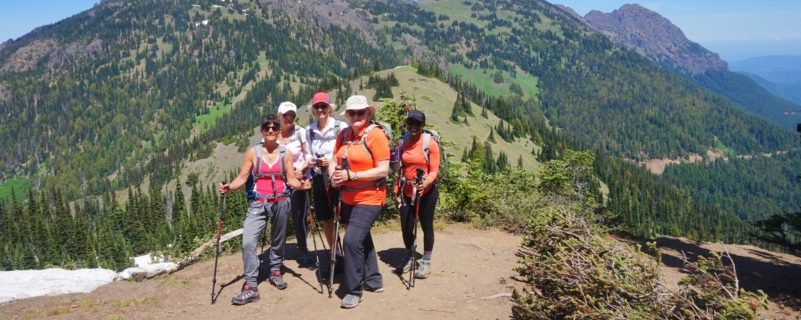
x=320 y=143
x=296 y=147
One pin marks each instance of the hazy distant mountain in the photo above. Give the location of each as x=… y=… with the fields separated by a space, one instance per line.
x=776 y=69
x=654 y=36
x=790 y=92
x=781 y=75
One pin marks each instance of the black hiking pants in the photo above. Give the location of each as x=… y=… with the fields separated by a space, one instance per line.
x=407 y=214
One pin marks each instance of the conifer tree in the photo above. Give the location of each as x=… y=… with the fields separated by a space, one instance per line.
x=488 y=165
x=502 y=164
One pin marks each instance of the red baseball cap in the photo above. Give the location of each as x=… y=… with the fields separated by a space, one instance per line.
x=321 y=97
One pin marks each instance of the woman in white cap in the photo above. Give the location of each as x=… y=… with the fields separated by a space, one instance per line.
x=292 y=138
x=362 y=163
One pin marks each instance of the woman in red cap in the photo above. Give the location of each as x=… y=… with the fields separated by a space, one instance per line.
x=321 y=135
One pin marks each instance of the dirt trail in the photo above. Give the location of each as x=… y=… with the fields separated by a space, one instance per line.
x=471 y=279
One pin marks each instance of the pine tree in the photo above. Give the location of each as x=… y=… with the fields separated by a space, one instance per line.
x=455 y=111
x=488 y=164
x=491 y=137
x=465 y=155
x=520 y=162
x=502 y=164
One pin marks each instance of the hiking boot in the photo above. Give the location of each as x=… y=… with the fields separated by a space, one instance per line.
x=405 y=266
x=423 y=269
x=350 y=301
x=249 y=294
x=277 y=280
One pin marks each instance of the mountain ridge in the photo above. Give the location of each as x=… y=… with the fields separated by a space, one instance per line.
x=653 y=35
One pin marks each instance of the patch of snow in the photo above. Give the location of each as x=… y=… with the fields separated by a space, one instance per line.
x=21 y=284
x=147 y=266
x=205 y=22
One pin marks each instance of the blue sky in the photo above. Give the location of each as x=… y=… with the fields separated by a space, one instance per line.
x=736 y=29
x=18 y=17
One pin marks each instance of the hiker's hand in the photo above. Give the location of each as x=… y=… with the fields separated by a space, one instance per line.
x=224 y=187
x=398 y=201
x=305 y=185
x=322 y=162
x=339 y=177
x=299 y=173
x=424 y=187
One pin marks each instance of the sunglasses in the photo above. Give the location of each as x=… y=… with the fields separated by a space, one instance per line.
x=352 y=113
x=320 y=106
x=271 y=126
x=288 y=115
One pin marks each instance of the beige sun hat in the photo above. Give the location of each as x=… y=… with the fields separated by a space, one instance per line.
x=357 y=102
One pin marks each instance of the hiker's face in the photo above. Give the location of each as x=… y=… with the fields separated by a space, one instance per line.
x=270 y=131
x=358 y=118
x=414 y=127
x=288 y=118
x=321 y=111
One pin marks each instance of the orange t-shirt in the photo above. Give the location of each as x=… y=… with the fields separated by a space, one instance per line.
x=413 y=158
x=359 y=160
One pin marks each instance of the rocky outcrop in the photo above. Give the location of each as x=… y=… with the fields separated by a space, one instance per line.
x=655 y=37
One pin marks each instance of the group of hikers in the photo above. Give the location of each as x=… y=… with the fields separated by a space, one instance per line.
x=341 y=168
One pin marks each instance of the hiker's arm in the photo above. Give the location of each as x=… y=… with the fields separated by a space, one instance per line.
x=291 y=176
x=244 y=171
x=379 y=172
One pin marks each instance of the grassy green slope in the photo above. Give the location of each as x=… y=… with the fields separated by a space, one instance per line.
x=436 y=100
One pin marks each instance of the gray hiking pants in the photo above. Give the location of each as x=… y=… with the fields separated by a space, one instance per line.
x=255 y=221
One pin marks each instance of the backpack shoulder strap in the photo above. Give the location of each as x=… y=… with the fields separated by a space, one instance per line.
x=259 y=155
x=426 y=143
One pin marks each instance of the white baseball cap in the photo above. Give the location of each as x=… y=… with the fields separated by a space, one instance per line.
x=287 y=106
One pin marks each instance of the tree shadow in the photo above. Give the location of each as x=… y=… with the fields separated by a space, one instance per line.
x=780 y=280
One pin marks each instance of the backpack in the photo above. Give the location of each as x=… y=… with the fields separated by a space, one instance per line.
x=394 y=156
x=427 y=136
x=250 y=184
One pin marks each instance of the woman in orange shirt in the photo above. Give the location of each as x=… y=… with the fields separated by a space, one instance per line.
x=412 y=158
x=362 y=156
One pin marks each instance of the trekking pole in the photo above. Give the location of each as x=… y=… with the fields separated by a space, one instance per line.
x=418 y=181
x=333 y=256
x=316 y=229
x=217 y=254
